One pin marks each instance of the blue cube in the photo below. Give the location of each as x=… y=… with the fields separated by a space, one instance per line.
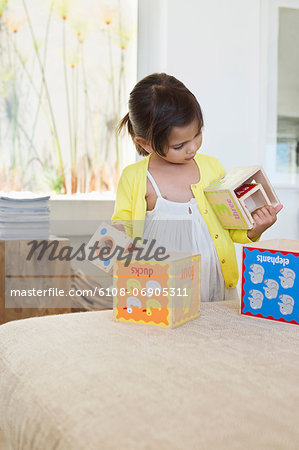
x=270 y=280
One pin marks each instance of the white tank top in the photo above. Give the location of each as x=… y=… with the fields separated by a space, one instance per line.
x=179 y=227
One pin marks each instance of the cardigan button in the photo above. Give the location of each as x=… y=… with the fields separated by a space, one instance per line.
x=223 y=261
x=230 y=285
x=216 y=236
x=205 y=211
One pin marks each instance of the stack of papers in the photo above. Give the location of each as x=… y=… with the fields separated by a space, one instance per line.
x=24 y=215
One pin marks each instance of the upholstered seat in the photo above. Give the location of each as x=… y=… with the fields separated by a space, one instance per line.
x=83 y=381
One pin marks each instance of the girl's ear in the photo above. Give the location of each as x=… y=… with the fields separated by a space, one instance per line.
x=144 y=144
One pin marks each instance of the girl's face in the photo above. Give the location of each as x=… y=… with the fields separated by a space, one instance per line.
x=183 y=143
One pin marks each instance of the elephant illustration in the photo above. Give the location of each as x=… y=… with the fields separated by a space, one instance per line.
x=256 y=299
x=271 y=288
x=287 y=305
x=257 y=273
x=288 y=278
x=288 y=273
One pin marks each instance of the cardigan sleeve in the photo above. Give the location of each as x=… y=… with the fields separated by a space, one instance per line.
x=123 y=204
x=240 y=237
x=216 y=169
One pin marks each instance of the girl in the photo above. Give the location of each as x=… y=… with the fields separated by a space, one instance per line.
x=160 y=195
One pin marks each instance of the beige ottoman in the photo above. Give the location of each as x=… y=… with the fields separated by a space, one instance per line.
x=82 y=381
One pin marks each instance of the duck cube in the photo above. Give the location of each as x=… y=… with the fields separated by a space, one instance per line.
x=164 y=293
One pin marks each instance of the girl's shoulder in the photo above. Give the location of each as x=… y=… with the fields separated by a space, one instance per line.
x=210 y=168
x=137 y=169
x=208 y=162
x=207 y=159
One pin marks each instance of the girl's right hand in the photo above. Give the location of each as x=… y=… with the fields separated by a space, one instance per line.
x=263 y=218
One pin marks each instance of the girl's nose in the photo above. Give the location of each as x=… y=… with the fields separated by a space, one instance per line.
x=192 y=148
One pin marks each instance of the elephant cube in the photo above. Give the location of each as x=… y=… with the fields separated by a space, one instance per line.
x=270 y=281
x=164 y=293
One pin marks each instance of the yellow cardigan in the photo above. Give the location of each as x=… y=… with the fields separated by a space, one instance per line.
x=130 y=209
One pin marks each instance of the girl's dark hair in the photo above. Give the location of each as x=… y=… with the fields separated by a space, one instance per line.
x=157 y=103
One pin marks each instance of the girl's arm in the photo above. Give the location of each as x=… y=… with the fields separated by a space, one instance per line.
x=263 y=218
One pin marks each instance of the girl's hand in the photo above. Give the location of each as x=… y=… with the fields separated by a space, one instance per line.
x=263 y=218
x=119 y=227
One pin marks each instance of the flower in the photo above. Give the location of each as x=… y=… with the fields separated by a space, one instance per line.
x=124 y=37
x=72 y=58
x=79 y=25
x=13 y=21
x=108 y=12
x=62 y=7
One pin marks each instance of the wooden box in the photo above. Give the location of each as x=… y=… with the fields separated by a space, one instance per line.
x=236 y=195
x=270 y=280
x=23 y=279
x=157 y=293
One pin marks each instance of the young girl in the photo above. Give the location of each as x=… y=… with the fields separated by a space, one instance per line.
x=161 y=194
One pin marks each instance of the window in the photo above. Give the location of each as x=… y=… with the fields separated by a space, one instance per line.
x=280 y=90
x=66 y=70
x=287 y=146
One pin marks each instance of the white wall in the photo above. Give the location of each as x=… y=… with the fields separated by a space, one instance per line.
x=288 y=80
x=215 y=48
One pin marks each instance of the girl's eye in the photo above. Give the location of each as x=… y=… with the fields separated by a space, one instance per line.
x=179 y=147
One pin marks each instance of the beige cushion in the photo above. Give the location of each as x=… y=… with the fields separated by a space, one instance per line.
x=82 y=381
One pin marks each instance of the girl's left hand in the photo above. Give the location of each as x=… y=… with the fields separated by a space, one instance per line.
x=263 y=218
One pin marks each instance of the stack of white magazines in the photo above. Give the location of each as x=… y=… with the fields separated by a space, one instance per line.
x=24 y=215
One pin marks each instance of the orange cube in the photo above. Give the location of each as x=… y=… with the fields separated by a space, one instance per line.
x=157 y=293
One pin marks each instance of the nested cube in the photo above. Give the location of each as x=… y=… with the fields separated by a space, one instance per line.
x=106 y=243
x=270 y=281
x=164 y=293
x=236 y=195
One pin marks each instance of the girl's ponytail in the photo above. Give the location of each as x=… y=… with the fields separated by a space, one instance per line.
x=126 y=123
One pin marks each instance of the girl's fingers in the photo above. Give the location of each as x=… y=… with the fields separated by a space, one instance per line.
x=269 y=213
x=271 y=210
x=258 y=215
x=264 y=215
x=264 y=218
x=278 y=208
x=119 y=227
